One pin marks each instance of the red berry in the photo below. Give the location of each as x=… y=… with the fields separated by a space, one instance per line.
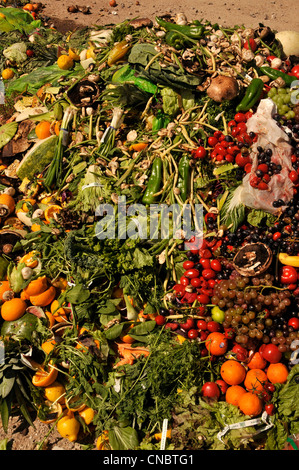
x=160 y=320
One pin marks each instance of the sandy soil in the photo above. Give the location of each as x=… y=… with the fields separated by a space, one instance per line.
x=278 y=15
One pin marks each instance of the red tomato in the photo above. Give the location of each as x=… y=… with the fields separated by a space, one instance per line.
x=190 y=273
x=195 y=282
x=210 y=390
x=160 y=320
x=216 y=265
x=295 y=71
x=293 y=175
x=192 y=334
x=250 y=44
x=184 y=281
x=189 y=323
x=294 y=323
x=241 y=160
x=240 y=117
x=203 y=299
x=208 y=274
x=201 y=324
x=222 y=385
x=213 y=326
x=199 y=153
x=288 y=275
x=205 y=262
x=270 y=409
x=212 y=141
x=188 y=264
x=271 y=353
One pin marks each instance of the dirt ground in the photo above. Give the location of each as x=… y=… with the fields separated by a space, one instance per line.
x=278 y=15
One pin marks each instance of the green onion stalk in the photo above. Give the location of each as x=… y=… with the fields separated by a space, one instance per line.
x=54 y=172
x=108 y=138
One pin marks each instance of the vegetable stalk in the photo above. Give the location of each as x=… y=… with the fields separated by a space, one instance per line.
x=53 y=175
x=108 y=138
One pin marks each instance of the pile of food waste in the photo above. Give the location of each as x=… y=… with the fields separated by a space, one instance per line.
x=149 y=207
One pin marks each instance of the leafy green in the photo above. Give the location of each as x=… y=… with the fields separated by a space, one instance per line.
x=286 y=417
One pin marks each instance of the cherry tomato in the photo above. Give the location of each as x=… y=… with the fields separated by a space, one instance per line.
x=184 y=281
x=210 y=390
x=205 y=262
x=190 y=273
x=199 y=153
x=295 y=71
x=208 y=274
x=240 y=117
x=222 y=385
x=213 y=326
x=212 y=141
x=250 y=44
x=203 y=298
x=188 y=264
x=195 y=282
x=188 y=324
x=216 y=265
x=30 y=53
x=293 y=175
x=201 y=324
x=270 y=409
x=271 y=353
x=172 y=325
x=160 y=320
x=179 y=289
x=192 y=334
x=241 y=160
x=288 y=275
x=294 y=323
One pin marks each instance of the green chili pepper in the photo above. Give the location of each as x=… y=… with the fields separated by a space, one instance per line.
x=160 y=121
x=154 y=182
x=194 y=31
x=184 y=177
x=274 y=74
x=252 y=95
x=175 y=39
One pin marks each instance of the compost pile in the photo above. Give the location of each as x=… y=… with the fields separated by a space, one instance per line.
x=109 y=327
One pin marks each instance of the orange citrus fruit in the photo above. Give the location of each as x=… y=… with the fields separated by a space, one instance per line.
x=30 y=259
x=48 y=346
x=232 y=372
x=51 y=318
x=216 y=343
x=68 y=427
x=50 y=212
x=13 y=309
x=37 y=286
x=234 y=393
x=43 y=130
x=255 y=380
x=257 y=361
x=74 y=404
x=44 y=378
x=59 y=313
x=55 y=392
x=65 y=62
x=45 y=298
x=7 y=74
x=4 y=287
x=55 y=410
x=250 y=404
x=277 y=373
x=87 y=414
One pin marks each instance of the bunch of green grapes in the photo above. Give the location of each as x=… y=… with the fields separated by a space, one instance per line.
x=284 y=98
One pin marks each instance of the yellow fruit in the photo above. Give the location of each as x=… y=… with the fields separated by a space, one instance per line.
x=55 y=392
x=103 y=441
x=73 y=54
x=87 y=414
x=7 y=74
x=50 y=212
x=65 y=62
x=68 y=427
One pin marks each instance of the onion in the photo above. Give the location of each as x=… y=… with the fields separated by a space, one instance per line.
x=289 y=41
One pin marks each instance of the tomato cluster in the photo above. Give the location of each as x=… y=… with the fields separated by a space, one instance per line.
x=200 y=274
